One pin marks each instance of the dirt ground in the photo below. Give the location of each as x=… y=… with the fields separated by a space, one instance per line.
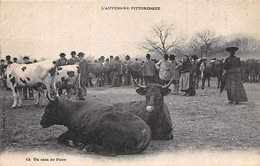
x=203 y=122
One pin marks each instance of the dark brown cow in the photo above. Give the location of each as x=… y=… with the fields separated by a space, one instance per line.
x=153 y=111
x=213 y=68
x=100 y=71
x=104 y=129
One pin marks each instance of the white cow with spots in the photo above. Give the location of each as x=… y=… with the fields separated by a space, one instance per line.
x=68 y=77
x=31 y=75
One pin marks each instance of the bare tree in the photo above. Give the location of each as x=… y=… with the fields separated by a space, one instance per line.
x=204 y=43
x=165 y=39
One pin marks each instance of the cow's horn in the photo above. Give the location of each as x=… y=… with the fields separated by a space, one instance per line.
x=169 y=84
x=140 y=86
x=49 y=97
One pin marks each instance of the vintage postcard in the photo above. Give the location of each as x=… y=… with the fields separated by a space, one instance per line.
x=143 y=82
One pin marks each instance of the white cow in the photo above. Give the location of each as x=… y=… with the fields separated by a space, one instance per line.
x=68 y=77
x=31 y=75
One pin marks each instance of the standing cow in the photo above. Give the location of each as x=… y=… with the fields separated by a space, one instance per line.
x=30 y=75
x=213 y=68
x=68 y=78
x=103 y=129
x=153 y=111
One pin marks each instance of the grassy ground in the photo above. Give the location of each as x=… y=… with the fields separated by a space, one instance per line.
x=203 y=122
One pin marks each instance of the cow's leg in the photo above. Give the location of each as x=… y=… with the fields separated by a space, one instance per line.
x=218 y=81
x=37 y=101
x=208 y=81
x=15 y=96
x=142 y=80
x=66 y=137
x=42 y=94
x=203 y=82
x=197 y=82
x=20 y=96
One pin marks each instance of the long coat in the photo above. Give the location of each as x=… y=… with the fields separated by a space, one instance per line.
x=234 y=85
x=149 y=68
x=85 y=69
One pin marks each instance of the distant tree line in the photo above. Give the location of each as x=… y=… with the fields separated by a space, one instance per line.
x=164 y=39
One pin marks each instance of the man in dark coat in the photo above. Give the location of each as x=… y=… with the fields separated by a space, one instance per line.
x=62 y=61
x=234 y=85
x=127 y=73
x=84 y=73
x=8 y=60
x=73 y=60
x=26 y=60
x=116 y=72
x=15 y=60
x=149 y=70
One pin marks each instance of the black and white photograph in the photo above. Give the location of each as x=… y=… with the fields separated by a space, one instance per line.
x=122 y=83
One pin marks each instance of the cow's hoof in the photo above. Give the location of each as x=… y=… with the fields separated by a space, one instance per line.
x=43 y=105
x=19 y=106
x=36 y=104
x=81 y=145
x=70 y=143
x=13 y=106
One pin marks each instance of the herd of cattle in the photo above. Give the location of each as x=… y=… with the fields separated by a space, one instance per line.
x=124 y=128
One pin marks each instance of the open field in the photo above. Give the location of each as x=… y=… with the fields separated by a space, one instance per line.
x=203 y=122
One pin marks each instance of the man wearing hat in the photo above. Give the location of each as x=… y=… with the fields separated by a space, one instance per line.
x=15 y=60
x=84 y=74
x=8 y=60
x=73 y=60
x=62 y=61
x=26 y=60
x=164 y=69
x=116 y=72
x=234 y=85
x=127 y=73
x=149 y=70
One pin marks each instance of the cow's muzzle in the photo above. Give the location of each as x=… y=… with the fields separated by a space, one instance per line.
x=149 y=108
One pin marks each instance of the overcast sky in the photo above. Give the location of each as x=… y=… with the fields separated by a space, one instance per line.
x=44 y=29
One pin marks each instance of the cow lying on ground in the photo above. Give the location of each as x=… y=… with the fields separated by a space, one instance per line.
x=153 y=111
x=103 y=129
x=68 y=78
x=30 y=75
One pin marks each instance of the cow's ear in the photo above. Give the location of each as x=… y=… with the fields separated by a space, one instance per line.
x=165 y=91
x=141 y=91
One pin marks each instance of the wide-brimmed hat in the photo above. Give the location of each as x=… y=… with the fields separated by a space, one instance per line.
x=148 y=56
x=231 y=49
x=172 y=56
x=26 y=57
x=62 y=54
x=80 y=54
x=73 y=53
x=195 y=57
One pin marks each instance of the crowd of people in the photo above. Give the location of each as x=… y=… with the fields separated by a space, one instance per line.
x=182 y=72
